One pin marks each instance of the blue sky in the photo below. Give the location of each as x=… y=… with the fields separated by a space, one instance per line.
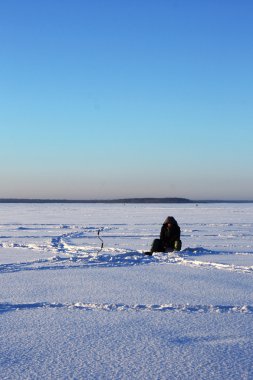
x=105 y=99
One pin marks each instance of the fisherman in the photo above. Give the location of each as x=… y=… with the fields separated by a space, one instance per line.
x=169 y=237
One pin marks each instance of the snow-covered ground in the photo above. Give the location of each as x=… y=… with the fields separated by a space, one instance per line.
x=70 y=311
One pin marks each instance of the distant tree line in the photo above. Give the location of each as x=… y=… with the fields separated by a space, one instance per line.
x=124 y=200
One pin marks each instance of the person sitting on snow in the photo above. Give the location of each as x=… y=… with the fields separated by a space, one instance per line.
x=169 y=237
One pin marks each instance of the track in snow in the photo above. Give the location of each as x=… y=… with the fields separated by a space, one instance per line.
x=118 y=307
x=73 y=246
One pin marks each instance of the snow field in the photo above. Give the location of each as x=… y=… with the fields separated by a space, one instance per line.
x=69 y=311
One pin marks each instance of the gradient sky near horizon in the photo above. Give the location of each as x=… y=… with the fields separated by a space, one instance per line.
x=110 y=99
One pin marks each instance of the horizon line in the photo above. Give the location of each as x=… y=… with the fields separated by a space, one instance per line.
x=122 y=200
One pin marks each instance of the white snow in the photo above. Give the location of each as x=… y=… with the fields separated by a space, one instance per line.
x=71 y=311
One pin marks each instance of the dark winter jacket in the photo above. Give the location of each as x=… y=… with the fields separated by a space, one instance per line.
x=170 y=232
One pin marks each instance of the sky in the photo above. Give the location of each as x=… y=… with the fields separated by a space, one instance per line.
x=139 y=98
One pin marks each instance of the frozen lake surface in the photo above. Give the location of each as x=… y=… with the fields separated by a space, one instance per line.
x=71 y=311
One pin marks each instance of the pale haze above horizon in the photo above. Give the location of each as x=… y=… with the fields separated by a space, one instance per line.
x=120 y=99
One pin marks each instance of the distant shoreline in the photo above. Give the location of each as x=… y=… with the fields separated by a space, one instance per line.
x=124 y=200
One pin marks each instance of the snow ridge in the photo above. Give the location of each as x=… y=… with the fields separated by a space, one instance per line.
x=112 y=258
x=167 y=307
x=209 y=265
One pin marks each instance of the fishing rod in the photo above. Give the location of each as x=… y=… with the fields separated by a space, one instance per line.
x=102 y=243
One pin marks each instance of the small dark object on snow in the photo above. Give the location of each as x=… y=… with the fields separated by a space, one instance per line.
x=148 y=253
